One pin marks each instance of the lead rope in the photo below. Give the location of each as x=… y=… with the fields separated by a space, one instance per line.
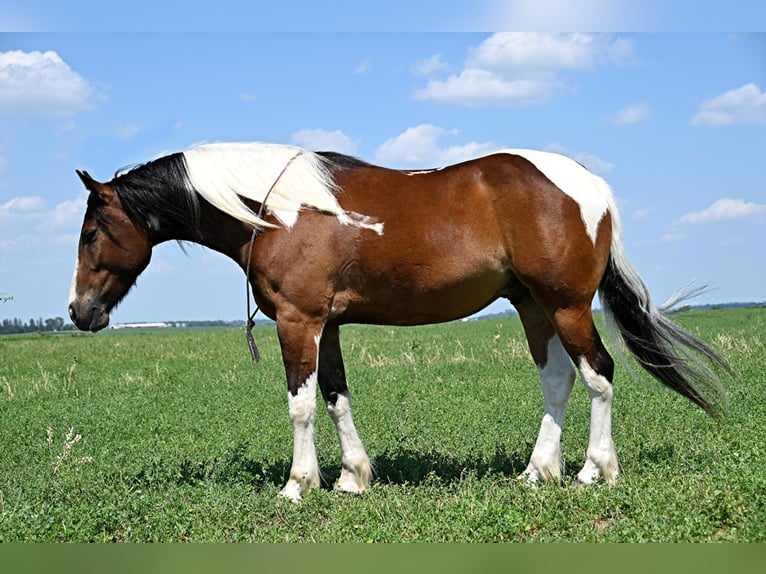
x=254 y=353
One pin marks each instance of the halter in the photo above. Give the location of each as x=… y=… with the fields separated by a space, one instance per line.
x=254 y=353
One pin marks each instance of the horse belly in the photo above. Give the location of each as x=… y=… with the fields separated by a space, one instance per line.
x=420 y=287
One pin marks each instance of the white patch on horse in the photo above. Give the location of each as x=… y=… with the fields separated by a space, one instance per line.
x=556 y=378
x=356 y=472
x=420 y=171
x=363 y=221
x=304 y=473
x=592 y=193
x=224 y=173
x=601 y=455
x=154 y=222
x=73 y=285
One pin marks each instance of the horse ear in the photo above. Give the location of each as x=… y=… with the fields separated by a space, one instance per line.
x=93 y=186
x=90 y=183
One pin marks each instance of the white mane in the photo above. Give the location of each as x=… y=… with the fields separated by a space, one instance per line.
x=223 y=173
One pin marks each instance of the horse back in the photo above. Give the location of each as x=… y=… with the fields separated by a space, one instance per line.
x=452 y=241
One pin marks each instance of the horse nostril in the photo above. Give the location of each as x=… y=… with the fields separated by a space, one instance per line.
x=72 y=313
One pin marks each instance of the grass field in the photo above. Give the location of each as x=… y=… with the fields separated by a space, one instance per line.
x=182 y=438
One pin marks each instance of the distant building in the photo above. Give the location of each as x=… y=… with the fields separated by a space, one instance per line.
x=139 y=325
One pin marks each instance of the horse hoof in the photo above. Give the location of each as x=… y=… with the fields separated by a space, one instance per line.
x=292 y=491
x=349 y=486
x=348 y=491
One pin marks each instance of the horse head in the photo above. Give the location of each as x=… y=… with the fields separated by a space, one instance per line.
x=112 y=253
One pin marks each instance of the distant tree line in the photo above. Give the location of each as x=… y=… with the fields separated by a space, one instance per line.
x=16 y=325
x=56 y=324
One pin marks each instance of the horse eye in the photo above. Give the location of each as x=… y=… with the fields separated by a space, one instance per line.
x=88 y=236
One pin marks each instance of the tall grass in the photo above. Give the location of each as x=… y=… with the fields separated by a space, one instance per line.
x=183 y=438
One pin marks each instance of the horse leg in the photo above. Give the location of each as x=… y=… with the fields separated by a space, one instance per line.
x=356 y=472
x=557 y=376
x=299 y=337
x=580 y=338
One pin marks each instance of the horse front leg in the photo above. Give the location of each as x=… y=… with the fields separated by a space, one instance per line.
x=299 y=338
x=356 y=471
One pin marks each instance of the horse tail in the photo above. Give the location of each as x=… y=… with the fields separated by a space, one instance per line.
x=665 y=350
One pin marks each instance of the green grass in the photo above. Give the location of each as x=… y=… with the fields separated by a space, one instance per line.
x=184 y=439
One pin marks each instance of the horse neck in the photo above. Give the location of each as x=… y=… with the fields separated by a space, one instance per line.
x=216 y=230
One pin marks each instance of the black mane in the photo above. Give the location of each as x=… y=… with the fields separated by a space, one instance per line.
x=157 y=195
x=341 y=161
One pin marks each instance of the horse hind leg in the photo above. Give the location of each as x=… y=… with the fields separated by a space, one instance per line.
x=356 y=471
x=581 y=340
x=557 y=376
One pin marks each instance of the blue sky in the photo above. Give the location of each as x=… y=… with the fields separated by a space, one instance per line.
x=676 y=122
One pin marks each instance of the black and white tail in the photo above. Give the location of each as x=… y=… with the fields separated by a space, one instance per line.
x=665 y=350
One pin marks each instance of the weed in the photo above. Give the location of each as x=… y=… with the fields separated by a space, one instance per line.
x=70 y=441
x=70 y=378
x=8 y=388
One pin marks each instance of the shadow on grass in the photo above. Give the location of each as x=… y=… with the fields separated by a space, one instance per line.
x=406 y=466
x=231 y=467
x=393 y=466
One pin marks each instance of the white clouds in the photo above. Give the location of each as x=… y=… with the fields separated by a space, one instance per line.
x=722 y=210
x=641 y=213
x=726 y=210
x=324 y=140
x=519 y=68
x=66 y=215
x=632 y=114
x=363 y=68
x=474 y=87
x=419 y=146
x=741 y=106
x=673 y=237
x=40 y=84
x=126 y=131
x=22 y=205
x=534 y=52
x=22 y=211
x=427 y=67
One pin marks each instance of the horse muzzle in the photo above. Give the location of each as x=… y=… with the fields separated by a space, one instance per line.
x=90 y=316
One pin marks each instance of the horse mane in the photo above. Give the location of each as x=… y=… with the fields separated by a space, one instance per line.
x=337 y=160
x=174 y=208
x=167 y=191
x=288 y=178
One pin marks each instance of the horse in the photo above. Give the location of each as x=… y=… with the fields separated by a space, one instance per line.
x=326 y=239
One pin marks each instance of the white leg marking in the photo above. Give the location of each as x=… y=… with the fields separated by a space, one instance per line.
x=356 y=474
x=556 y=378
x=304 y=474
x=602 y=455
